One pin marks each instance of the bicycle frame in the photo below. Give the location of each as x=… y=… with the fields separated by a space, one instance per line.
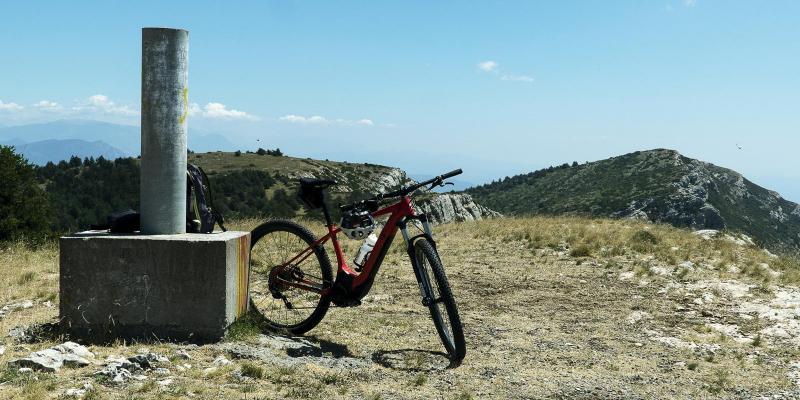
x=350 y=284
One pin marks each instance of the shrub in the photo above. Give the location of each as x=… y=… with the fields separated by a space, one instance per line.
x=252 y=370
x=580 y=251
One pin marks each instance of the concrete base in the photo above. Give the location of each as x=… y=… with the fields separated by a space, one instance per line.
x=177 y=287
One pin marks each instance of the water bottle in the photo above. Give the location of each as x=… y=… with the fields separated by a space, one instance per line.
x=363 y=253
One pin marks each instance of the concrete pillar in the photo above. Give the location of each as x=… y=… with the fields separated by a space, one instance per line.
x=165 y=108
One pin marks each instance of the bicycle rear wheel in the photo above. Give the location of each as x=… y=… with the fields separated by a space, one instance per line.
x=438 y=297
x=274 y=244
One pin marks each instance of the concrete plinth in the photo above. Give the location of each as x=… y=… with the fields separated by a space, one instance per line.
x=178 y=287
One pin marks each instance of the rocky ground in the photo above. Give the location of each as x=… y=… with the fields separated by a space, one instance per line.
x=552 y=308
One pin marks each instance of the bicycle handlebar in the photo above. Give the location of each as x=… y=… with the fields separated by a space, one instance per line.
x=402 y=192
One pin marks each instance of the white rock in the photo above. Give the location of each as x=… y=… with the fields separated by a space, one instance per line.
x=74 y=348
x=2 y=350
x=210 y=370
x=48 y=360
x=637 y=316
x=182 y=354
x=221 y=361
x=165 y=382
x=25 y=370
x=161 y=371
x=626 y=276
x=75 y=393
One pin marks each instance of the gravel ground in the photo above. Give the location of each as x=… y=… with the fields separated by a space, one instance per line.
x=541 y=321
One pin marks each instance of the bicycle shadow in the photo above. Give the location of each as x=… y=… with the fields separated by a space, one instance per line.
x=413 y=360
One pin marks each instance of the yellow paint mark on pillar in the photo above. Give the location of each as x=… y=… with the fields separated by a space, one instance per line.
x=185 y=113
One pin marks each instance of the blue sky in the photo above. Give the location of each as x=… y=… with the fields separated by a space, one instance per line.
x=497 y=88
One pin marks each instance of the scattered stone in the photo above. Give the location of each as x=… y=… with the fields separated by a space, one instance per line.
x=87 y=387
x=182 y=354
x=627 y=275
x=637 y=316
x=146 y=360
x=687 y=265
x=120 y=369
x=121 y=376
x=161 y=371
x=48 y=360
x=18 y=333
x=164 y=382
x=210 y=370
x=74 y=348
x=25 y=370
x=221 y=361
x=2 y=350
x=9 y=308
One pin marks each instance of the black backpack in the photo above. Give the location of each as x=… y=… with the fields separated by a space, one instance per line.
x=200 y=216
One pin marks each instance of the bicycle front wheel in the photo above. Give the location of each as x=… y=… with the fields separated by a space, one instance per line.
x=439 y=299
x=274 y=263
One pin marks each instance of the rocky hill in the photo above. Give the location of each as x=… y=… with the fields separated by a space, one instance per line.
x=657 y=185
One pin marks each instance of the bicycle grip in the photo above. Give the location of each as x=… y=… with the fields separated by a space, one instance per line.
x=451 y=174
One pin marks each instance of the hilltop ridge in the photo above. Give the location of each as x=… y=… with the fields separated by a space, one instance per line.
x=659 y=185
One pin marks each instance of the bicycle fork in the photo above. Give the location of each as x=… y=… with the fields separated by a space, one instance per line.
x=419 y=273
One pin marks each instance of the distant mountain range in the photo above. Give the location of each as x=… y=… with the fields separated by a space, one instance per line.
x=657 y=185
x=59 y=140
x=57 y=149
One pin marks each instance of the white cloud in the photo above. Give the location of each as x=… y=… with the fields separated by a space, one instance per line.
x=48 y=105
x=517 y=78
x=690 y=3
x=320 y=120
x=494 y=68
x=488 y=66
x=219 y=111
x=367 y=122
x=293 y=118
x=100 y=103
x=10 y=106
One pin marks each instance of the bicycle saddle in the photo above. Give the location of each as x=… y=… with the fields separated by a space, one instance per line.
x=312 y=183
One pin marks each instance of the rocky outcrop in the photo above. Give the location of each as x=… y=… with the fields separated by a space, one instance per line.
x=373 y=179
x=454 y=207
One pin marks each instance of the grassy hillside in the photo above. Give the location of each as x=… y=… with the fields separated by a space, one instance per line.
x=657 y=185
x=84 y=192
x=553 y=307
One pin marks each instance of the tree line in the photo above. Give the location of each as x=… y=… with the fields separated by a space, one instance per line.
x=37 y=202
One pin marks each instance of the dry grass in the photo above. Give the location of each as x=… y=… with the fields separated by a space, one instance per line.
x=544 y=310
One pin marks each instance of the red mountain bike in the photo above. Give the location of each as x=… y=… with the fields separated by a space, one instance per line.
x=291 y=282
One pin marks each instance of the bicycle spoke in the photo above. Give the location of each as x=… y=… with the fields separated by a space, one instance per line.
x=289 y=252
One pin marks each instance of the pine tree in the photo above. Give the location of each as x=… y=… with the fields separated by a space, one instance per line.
x=24 y=210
